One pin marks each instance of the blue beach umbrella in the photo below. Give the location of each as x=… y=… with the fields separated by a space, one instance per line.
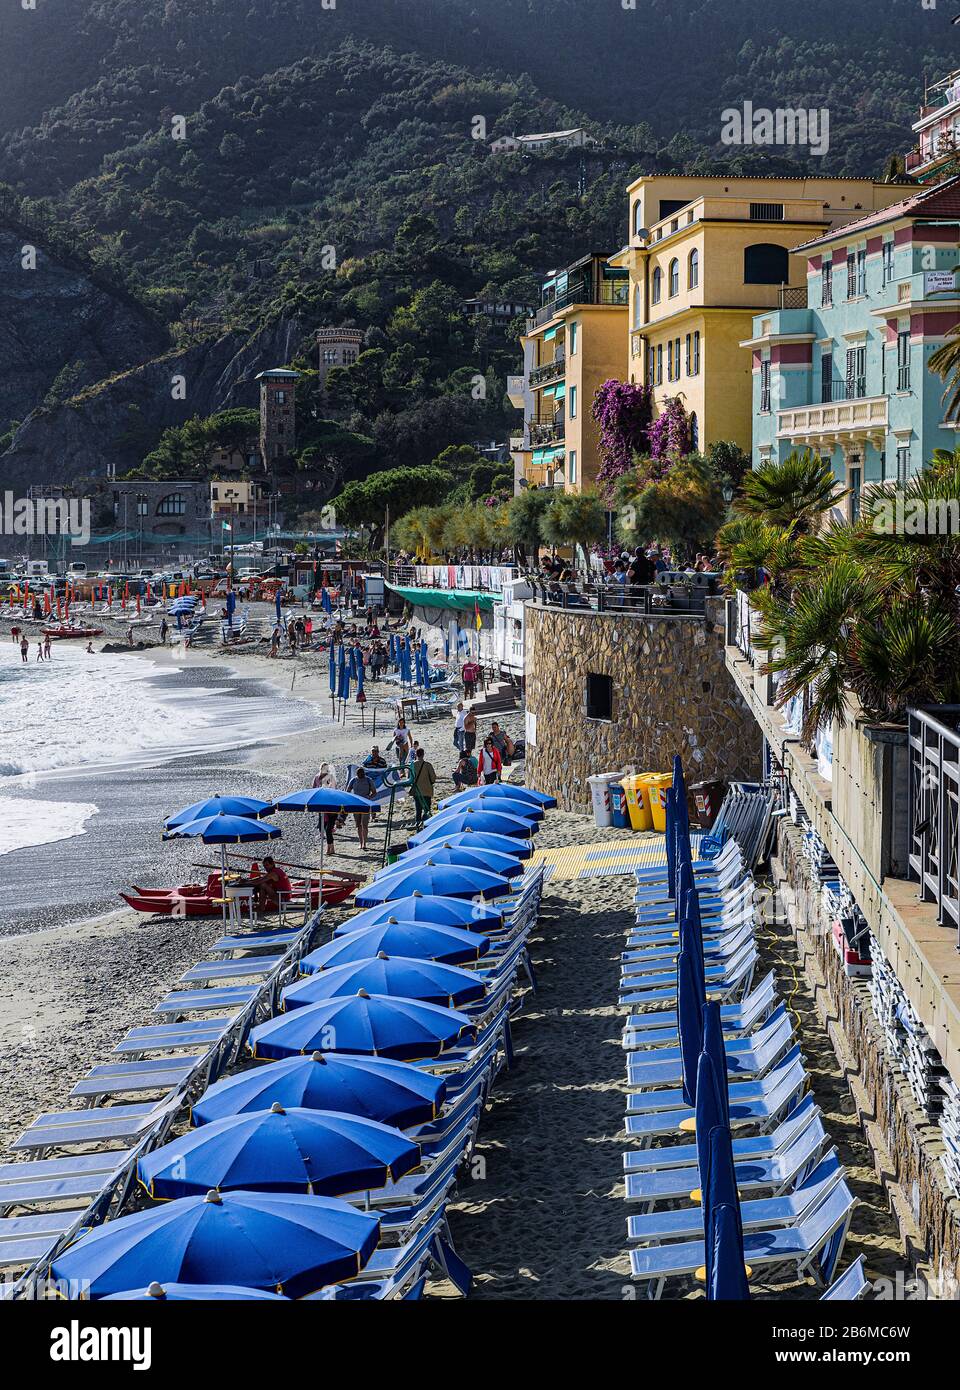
x=425 y=666
x=420 y=907
x=502 y=805
x=726 y=1276
x=482 y=822
x=317 y=799
x=359 y=674
x=279 y=1150
x=193 y=1293
x=446 y=880
x=689 y=1024
x=279 y=609
x=325 y=602
x=401 y=977
x=500 y=844
x=373 y=1087
x=248 y=806
x=439 y=852
x=420 y=940
x=372 y=1025
x=343 y=687
x=281 y=1242
x=511 y=790
x=223 y=829
x=353 y=663
x=332 y=662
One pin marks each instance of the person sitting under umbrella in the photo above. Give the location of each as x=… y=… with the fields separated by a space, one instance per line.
x=271 y=884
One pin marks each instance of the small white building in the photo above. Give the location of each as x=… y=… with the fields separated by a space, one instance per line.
x=526 y=144
x=509 y=629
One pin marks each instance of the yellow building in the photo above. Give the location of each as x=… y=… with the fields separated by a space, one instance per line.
x=574 y=342
x=706 y=253
x=235 y=498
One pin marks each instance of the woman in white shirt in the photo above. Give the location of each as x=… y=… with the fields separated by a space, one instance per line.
x=401 y=740
x=458 y=728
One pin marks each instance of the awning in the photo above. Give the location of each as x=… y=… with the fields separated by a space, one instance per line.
x=550 y=334
x=550 y=391
x=560 y=391
x=553 y=454
x=435 y=602
x=538 y=455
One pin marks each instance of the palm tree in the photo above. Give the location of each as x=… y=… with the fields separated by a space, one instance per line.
x=795 y=494
x=575 y=518
x=946 y=363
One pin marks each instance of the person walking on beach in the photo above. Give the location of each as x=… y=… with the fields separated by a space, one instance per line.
x=469 y=732
x=424 y=780
x=24 y=648
x=275 y=641
x=401 y=740
x=40 y=649
x=361 y=785
x=490 y=765
x=327 y=820
x=46 y=647
x=458 y=727
x=15 y=634
x=163 y=631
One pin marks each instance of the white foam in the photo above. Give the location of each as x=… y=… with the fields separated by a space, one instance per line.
x=24 y=822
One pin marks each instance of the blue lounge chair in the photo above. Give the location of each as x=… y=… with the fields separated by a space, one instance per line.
x=172 y=1037
x=207 y=971
x=775 y=1174
x=748 y=1148
x=813 y=1247
x=715 y=950
x=851 y=1287
x=747 y=1057
x=659 y=1029
x=761 y=1103
x=760 y=1214
x=191 y=1001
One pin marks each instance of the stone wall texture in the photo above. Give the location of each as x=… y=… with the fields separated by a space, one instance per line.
x=672 y=694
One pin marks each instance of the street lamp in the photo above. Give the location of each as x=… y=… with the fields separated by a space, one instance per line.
x=729 y=491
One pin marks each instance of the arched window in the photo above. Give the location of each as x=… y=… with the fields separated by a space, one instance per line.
x=657 y=285
x=174 y=504
x=637 y=305
x=674 y=277
x=637 y=217
x=766 y=264
x=693 y=269
x=694 y=432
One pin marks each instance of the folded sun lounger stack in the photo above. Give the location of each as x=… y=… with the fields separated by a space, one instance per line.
x=364 y=1079
x=732 y=1166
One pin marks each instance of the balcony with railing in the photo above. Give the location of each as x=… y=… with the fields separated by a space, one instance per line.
x=934 y=808
x=838 y=388
x=793 y=296
x=549 y=371
x=853 y=417
x=548 y=430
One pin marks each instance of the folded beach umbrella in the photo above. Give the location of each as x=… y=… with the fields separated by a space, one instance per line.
x=402 y=977
x=511 y=790
x=279 y=1150
x=332 y=665
x=690 y=1004
x=456 y=822
x=325 y=602
x=282 y=1242
x=447 y=880
x=500 y=844
x=249 y=806
x=490 y=860
x=425 y=666
x=373 y=1025
x=373 y=1087
x=416 y=940
x=725 y=1272
x=418 y=907
x=192 y=1293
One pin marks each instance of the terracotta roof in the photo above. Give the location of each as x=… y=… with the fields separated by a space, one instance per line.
x=941 y=201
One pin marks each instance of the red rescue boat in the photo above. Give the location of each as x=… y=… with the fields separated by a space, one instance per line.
x=201 y=900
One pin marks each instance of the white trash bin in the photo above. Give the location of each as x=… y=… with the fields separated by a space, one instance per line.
x=600 y=792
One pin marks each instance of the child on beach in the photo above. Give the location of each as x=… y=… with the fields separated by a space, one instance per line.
x=40 y=656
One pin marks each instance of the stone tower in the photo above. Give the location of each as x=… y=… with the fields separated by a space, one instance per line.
x=337 y=347
x=278 y=416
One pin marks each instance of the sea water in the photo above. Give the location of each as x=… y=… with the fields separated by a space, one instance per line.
x=84 y=714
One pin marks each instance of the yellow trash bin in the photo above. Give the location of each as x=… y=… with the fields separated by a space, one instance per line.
x=638 y=803
x=656 y=789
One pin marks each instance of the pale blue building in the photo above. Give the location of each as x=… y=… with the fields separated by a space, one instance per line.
x=842 y=366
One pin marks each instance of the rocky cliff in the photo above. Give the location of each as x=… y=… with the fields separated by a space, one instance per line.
x=62 y=328
x=124 y=414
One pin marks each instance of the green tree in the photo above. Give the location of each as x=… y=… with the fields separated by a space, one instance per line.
x=682 y=509
x=796 y=493
x=575 y=518
x=525 y=514
x=365 y=502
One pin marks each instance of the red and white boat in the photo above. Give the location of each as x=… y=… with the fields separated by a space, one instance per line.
x=201 y=899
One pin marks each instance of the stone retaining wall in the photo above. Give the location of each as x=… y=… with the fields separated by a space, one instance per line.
x=909 y=1144
x=672 y=694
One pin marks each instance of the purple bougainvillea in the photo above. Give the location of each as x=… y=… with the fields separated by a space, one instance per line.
x=668 y=438
x=622 y=412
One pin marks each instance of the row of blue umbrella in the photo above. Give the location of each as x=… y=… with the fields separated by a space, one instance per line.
x=255 y=1188
x=704 y=1066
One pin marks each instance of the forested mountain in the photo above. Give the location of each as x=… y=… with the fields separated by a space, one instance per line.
x=329 y=173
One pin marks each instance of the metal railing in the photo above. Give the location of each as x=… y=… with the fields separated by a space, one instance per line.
x=851 y=388
x=637 y=600
x=550 y=371
x=934 y=808
x=547 y=431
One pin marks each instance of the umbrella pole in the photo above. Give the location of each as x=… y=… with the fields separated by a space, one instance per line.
x=223 y=884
